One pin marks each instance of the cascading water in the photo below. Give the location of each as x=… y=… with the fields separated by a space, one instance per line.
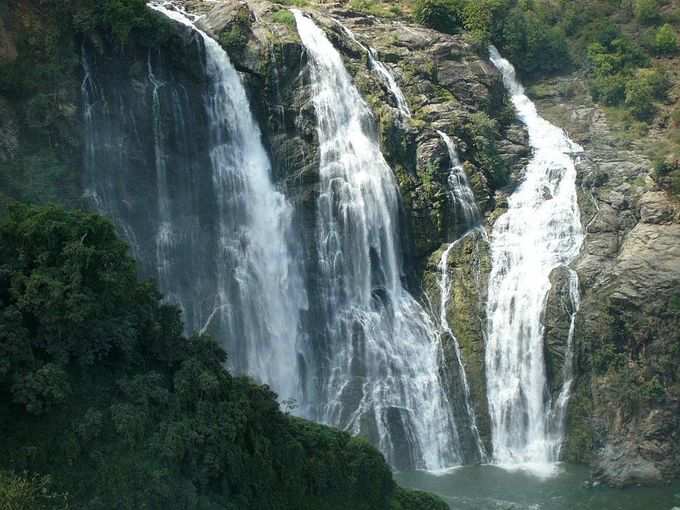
x=466 y=210
x=382 y=378
x=222 y=232
x=383 y=72
x=467 y=215
x=164 y=235
x=540 y=231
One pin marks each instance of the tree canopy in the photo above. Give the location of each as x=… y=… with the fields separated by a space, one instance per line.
x=106 y=404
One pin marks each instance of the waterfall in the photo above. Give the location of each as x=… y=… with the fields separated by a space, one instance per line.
x=383 y=73
x=466 y=210
x=468 y=215
x=444 y=297
x=164 y=235
x=221 y=234
x=382 y=378
x=260 y=291
x=540 y=231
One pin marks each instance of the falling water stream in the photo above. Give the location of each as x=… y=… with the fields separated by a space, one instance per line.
x=540 y=232
x=260 y=289
x=380 y=372
x=247 y=288
x=468 y=216
x=383 y=73
x=383 y=378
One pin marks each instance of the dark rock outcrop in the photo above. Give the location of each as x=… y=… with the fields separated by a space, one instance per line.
x=625 y=414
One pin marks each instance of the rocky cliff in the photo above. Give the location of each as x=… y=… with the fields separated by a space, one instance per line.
x=623 y=417
x=448 y=87
x=624 y=414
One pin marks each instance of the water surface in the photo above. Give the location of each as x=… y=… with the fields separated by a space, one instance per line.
x=492 y=488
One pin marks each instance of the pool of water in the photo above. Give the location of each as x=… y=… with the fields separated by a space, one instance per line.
x=494 y=488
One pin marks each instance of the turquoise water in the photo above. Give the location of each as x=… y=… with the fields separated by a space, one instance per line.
x=493 y=488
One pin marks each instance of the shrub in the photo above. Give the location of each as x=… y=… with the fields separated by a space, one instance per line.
x=482 y=132
x=646 y=11
x=612 y=63
x=666 y=40
x=122 y=16
x=235 y=36
x=284 y=17
x=675 y=117
x=485 y=17
x=534 y=46
x=640 y=98
x=662 y=168
x=609 y=90
x=29 y=493
x=675 y=183
x=641 y=92
x=442 y=15
x=607 y=358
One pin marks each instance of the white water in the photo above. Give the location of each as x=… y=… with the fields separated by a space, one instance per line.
x=540 y=231
x=466 y=210
x=164 y=234
x=260 y=289
x=444 y=298
x=468 y=215
x=383 y=73
x=383 y=375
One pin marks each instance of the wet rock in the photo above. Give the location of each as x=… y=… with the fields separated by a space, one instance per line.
x=557 y=323
x=8 y=50
x=468 y=269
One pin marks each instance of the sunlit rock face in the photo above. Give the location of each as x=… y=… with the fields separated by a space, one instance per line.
x=312 y=287
x=150 y=137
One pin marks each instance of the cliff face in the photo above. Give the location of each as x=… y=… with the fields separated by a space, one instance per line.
x=448 y=87
x=40 y=140
x=624 y=412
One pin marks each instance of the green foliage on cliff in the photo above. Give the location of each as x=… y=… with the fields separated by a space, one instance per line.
x=637 y=370
x=482 y=132
x=443 y=15
x=518 y=28
x=39 y=89
x=666 y=40
x=105 y=404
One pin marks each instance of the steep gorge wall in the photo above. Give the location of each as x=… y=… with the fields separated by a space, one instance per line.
x=449 y=88
x=626 y=340
x=626 y=343
x=624 y=416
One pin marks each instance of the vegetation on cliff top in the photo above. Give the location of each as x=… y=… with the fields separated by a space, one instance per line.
x=105 y=404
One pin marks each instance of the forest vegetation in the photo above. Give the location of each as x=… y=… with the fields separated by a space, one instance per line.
x=106 y=404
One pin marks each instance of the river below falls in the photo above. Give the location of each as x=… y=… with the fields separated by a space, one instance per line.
x=492 y=488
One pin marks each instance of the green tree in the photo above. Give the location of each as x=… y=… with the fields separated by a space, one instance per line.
x=535 y=47
x=666 y=40
x=640 y=93
x=442 y=15
x=132 y=413
x=483 y=18
x=646 y=11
